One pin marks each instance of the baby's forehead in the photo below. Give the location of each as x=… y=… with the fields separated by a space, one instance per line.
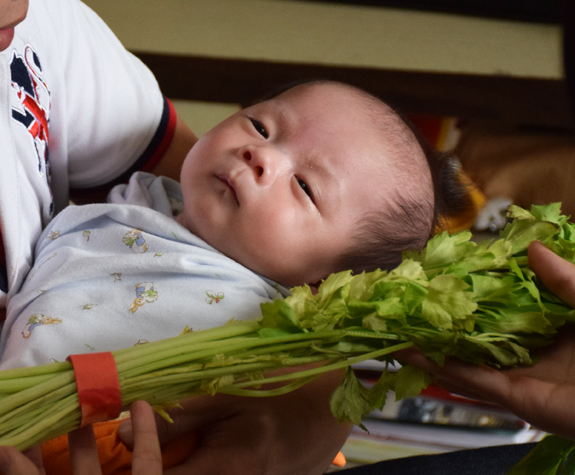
x=394 y=151
x=324 y=104
x=309 y=93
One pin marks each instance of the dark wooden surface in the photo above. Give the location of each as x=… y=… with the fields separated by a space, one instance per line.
x=540 y=11
x=537 y=103
x=568 y=19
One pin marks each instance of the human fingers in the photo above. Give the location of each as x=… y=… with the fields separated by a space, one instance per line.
x=231 y=452
x=147 y=456
x=34 y=454
x=294 y=433
x=247 y=441
x=84 y=452
x=533 y=393
x=267 y=440
x=474 y=381
x=12 y=462
x=192 y=414
x=557 y=274
x=231 y=440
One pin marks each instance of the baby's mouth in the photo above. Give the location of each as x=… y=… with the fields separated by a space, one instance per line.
x=226 y=180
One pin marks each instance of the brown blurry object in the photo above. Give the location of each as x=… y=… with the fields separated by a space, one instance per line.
x=526 y=167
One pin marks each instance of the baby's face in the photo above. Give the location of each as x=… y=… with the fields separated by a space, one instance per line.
x=279 y=186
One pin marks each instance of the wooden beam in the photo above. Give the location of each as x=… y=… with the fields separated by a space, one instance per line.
x=539 y=103
x=539 y=11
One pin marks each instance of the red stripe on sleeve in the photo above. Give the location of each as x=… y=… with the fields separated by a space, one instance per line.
x=2 y=251
x=3 y=272
x=147 y=161
x=166 y=140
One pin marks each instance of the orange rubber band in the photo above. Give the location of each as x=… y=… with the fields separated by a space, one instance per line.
x=98 y=387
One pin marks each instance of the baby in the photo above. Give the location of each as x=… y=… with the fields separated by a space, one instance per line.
x=320 y=178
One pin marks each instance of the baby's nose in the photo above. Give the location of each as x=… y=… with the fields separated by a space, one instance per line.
x=262 y=163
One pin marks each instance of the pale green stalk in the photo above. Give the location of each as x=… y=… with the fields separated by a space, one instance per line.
x=44 y=424
x=19 y=384
x=214 y=348
x=67 y=424
x=34 y=370
x=46 y=411
x=43 y=401
x=232 y=390
x=330 y=367
x=13 y=401
x=219 y=333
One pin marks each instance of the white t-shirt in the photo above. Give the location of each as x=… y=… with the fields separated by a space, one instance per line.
x=76 y=111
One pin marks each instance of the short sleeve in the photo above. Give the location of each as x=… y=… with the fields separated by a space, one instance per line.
x=114 y=110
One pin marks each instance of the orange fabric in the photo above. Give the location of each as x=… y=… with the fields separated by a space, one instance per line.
x=442 y=133
x=114 y=456
x=339 y=460
x=98 y=386
x=466 y=219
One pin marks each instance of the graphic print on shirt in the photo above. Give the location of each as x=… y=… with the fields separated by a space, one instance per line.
x=145 y=293
x=135 y=241
x=36 y=320
x=214 y=296
x=33 y=108
x=53 y=235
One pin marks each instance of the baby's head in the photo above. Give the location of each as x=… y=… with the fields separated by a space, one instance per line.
x=321 y=178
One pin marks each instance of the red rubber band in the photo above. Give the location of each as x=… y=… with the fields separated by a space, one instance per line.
x=98 y=387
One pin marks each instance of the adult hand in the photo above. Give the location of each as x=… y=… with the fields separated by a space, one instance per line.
x=290 y=434
x=147 y=456
x=146 y=460
x=542 y=394
x=12 y=462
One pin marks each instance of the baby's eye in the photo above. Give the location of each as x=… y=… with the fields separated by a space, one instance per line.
x=304 y=187
x=259 y=127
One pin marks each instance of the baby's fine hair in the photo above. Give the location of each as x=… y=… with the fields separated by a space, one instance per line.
x=413 y=218
x=408 y=224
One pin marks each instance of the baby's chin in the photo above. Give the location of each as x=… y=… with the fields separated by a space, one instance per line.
x=264 y=267
x=288 y=278
x=183 y=220
x=261 y=263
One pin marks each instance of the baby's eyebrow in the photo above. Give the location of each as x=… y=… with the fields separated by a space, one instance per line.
x=326 y=183
x=284 y=121
x=314 y=161
x=287 y=123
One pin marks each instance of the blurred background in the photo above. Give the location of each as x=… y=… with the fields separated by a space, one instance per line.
x=232 y=51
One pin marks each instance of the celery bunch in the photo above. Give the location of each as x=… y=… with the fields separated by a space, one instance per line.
x=479 y=302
